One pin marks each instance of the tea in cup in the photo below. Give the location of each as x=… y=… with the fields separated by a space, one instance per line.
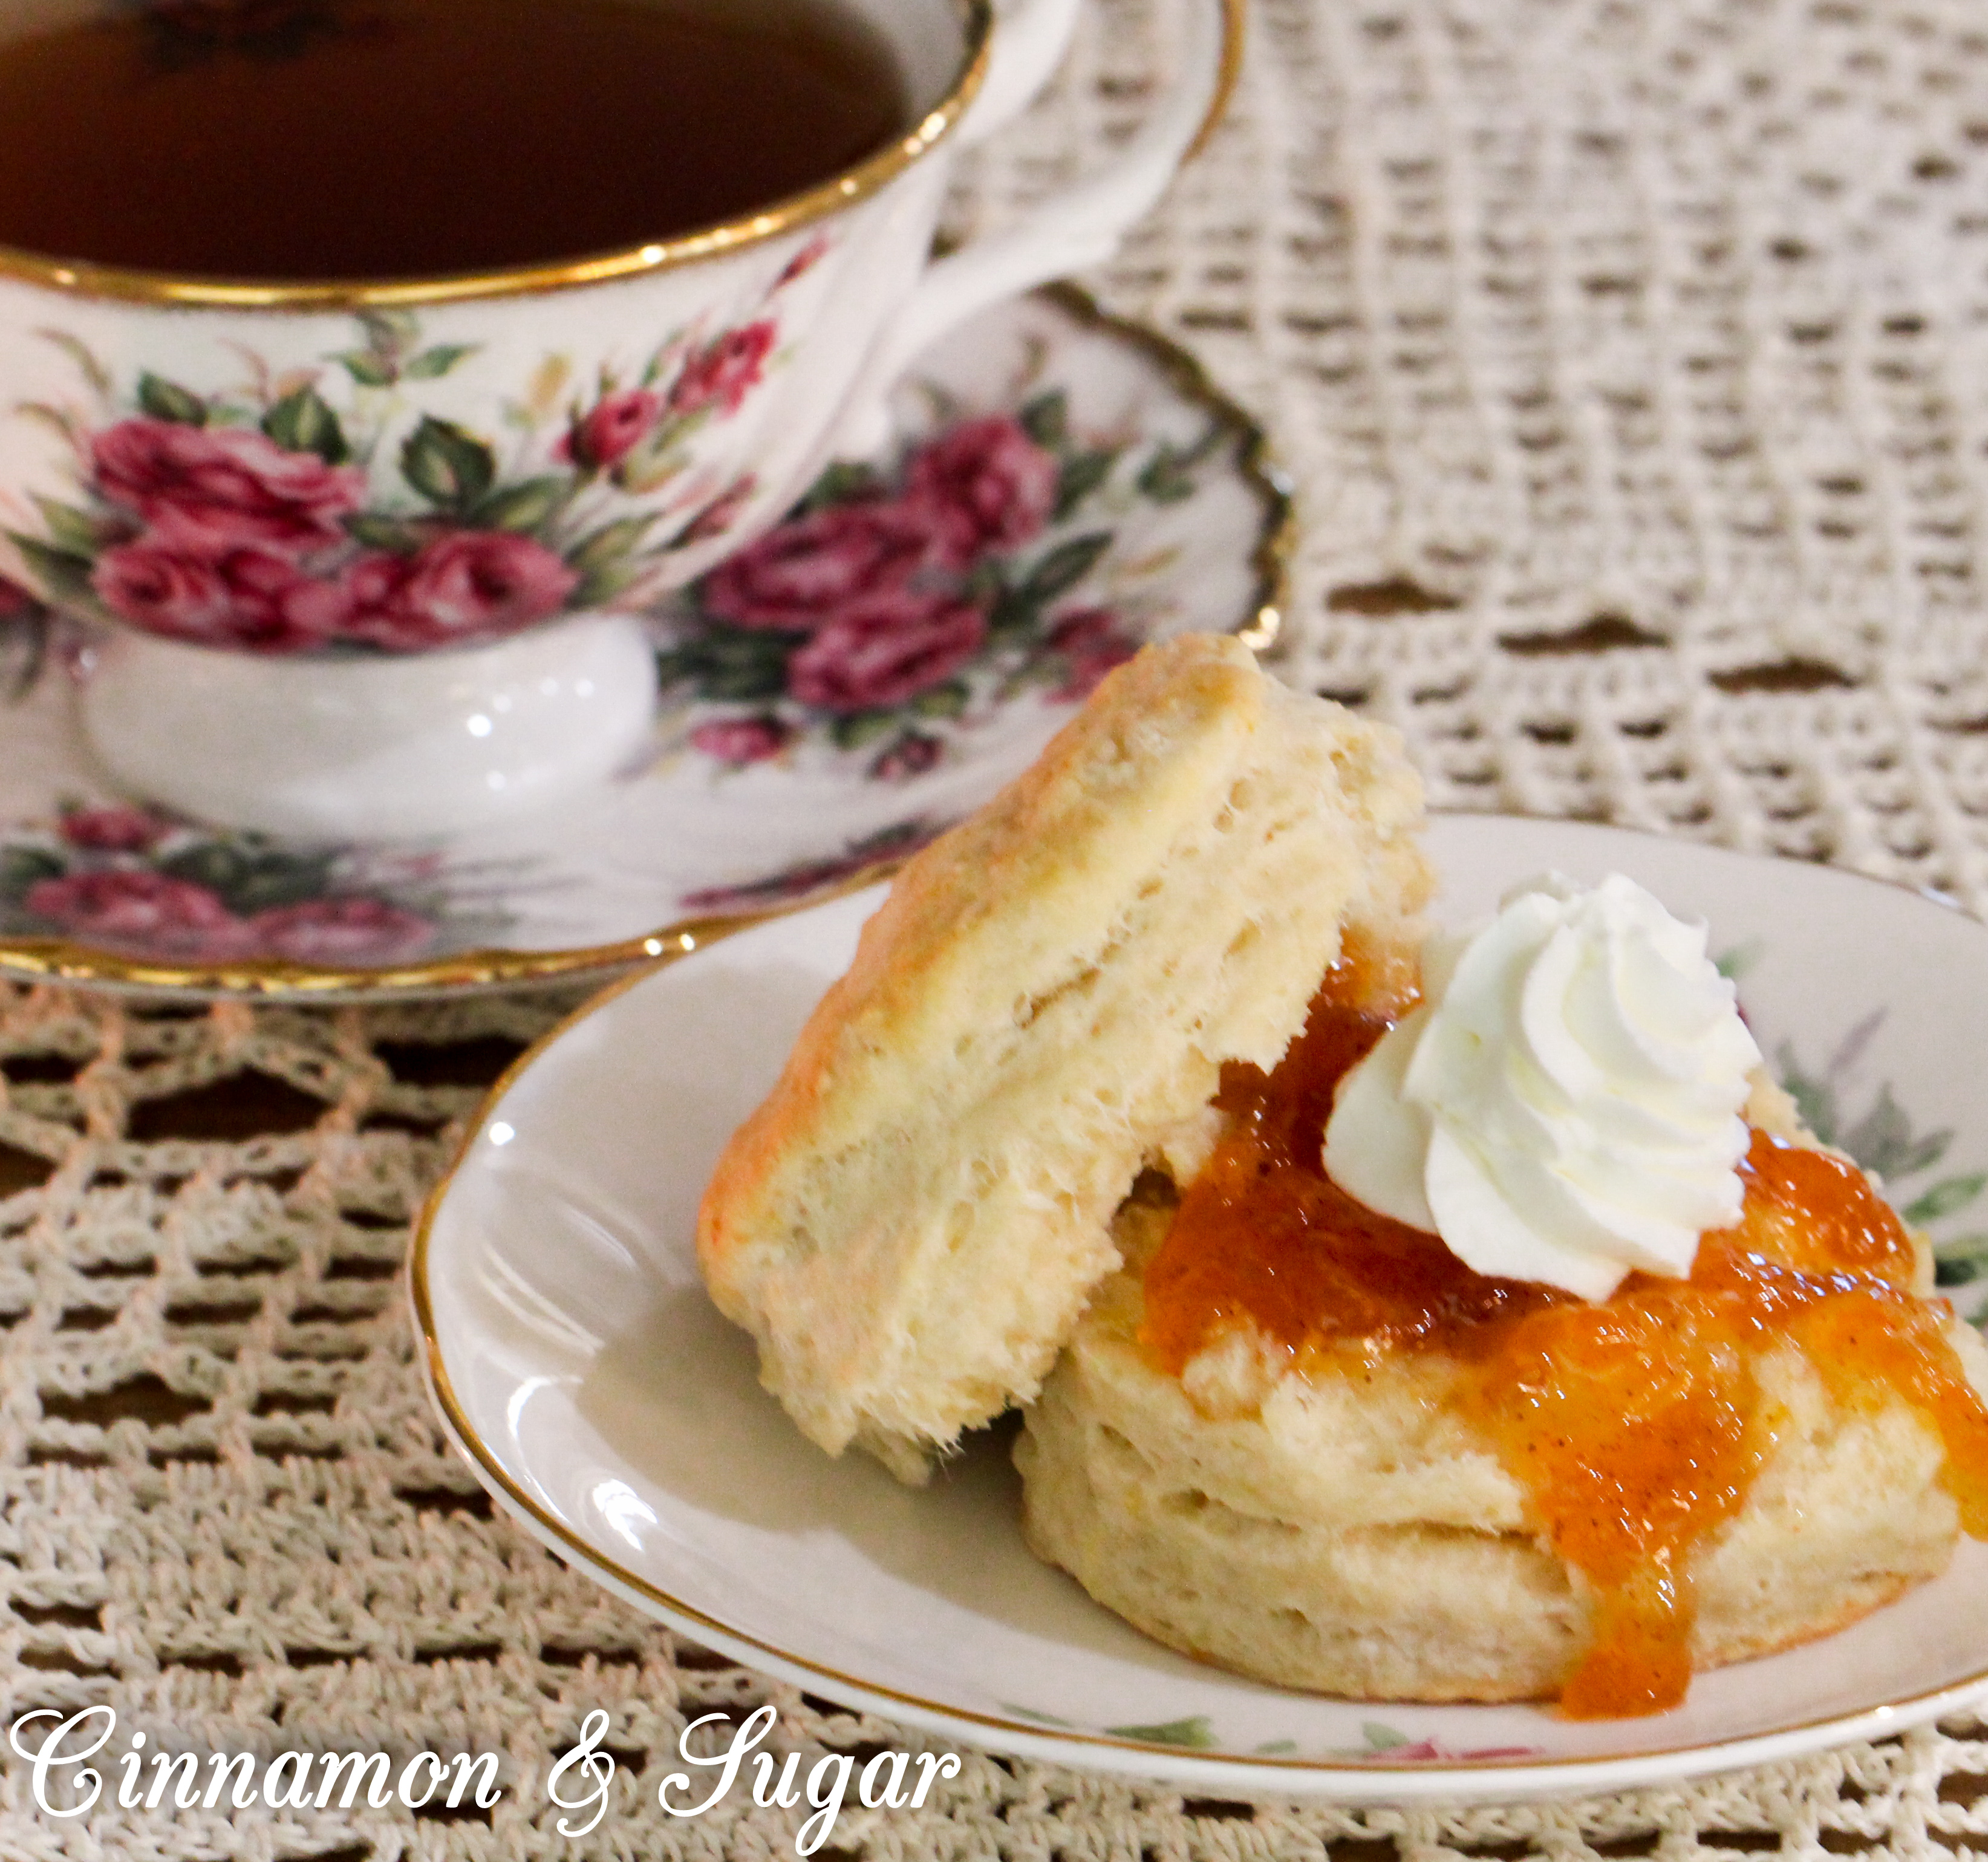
x=363 y=431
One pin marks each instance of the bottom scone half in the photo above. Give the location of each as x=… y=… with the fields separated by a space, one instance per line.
x=1349 y=1529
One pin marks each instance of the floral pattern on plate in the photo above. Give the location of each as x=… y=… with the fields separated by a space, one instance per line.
x=1380 y=1742
x=1064 y=488
x=132 y=880
x=896 y=609
x=1882 y=1137
x=323 y=509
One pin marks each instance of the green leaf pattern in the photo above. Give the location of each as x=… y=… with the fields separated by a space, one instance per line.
x=448 y=466
x=1381 y=1742
x=1193 y=1732
x=166 y=400
x=328 y=471
x=1883 y=1139
x=302 y=421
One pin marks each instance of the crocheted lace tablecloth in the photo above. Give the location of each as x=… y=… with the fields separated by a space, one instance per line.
x=227 y=1510
x=1631 y=357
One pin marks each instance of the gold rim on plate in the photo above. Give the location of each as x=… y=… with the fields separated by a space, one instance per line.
x=82 y=278
x=62 y=960
x=1875 y=1720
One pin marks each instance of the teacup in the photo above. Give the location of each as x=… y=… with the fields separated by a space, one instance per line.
x=363 y=558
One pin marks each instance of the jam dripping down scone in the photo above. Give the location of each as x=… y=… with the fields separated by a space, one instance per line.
x=1054 y=1140
x=1303 y=1441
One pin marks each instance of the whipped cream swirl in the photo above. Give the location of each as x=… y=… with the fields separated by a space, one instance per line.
x=1564 y=1105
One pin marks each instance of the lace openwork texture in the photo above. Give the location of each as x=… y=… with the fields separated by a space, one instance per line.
x=1632 y=360
x=226 y=1509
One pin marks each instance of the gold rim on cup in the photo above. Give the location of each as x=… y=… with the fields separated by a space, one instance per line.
x=81 y=279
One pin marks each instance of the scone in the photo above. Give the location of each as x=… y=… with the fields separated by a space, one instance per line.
x=1065 y=1110
x=912 y=1223
x=1356 y=1535
x=1302 y=1440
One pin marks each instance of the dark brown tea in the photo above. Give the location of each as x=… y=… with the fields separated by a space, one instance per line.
x=300 y=139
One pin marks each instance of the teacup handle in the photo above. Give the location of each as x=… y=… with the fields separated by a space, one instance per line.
x=1030 y=39
x=1081 y=226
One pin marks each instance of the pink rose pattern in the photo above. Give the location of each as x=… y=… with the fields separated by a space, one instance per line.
x=987 y=486
x=134 y=882
x=252 y=598
x=740 y=741
x=114 y=829
x=1092 y=644
x=911 y=755
x=613 y=427
x=473 y=585
x=873 y=609
x=722 y=374
x=886 y=649
x=868 y=609
x=141 y=909
x=334 y=931
x=243 y=524
x=809 y=567
x=206 y=493
x=806 y=258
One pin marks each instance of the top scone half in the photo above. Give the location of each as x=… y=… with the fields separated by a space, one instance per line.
x=911 y=1224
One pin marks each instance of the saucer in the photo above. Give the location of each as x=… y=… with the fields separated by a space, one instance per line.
x=821 y=715
x=577 y=1361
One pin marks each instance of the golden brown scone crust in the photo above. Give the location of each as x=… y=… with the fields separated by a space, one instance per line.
x=1358 y=1538
x=911 y=1223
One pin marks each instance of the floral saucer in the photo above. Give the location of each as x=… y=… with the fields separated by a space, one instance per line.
x=577 y=1362
x=1064 y=487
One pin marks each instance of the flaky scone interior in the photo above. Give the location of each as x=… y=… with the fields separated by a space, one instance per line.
x=911 y=1223
x=1356 y=1537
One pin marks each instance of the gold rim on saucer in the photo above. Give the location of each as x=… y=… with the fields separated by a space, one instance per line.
x=63 y=960
x=1234 y=16
x=84 y=278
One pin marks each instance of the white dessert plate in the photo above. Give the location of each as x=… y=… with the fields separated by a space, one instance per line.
x=576 y=1360
x=1099 y=494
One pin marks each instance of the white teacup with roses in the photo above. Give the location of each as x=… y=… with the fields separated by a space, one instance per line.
x=364 y=559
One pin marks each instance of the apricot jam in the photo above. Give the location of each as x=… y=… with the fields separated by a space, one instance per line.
x=1635 y=1423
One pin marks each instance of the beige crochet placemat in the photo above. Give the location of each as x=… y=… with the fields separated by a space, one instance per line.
x=1632 y=357
x=226 y=1510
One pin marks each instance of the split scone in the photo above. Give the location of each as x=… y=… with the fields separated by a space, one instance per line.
x=912 y=1223
x=1066 y=1110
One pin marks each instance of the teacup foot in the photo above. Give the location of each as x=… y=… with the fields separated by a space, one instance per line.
x=435 y=743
